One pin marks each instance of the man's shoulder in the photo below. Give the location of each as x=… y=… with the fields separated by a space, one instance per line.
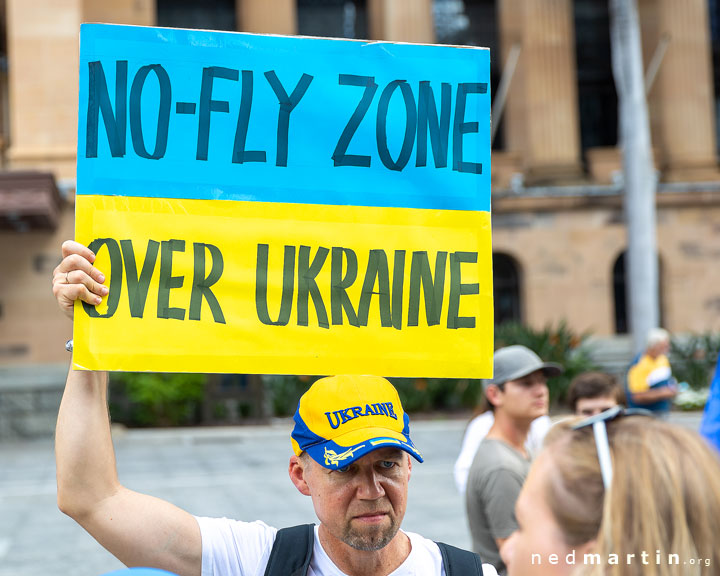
x=640 y=362
x=493 y=453
x=230 y=525
x=232 y=547
x=429 y=556
x=495 y=458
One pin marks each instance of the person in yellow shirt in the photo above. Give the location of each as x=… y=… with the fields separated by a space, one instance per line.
x=650 y=382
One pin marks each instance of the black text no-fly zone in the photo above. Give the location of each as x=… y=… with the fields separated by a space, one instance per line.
x=430 y=117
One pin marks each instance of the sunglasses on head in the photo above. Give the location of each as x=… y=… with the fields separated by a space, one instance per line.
x=601 y=438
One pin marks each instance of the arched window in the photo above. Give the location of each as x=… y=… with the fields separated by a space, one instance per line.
x=619 y=295
x=622 y=320
x=506 y=289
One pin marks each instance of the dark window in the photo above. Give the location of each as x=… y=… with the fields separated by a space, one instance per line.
x=472 y=23
x=622 y=319
x=200 y=14
x=714 y=15
x=596 y=86
x=506 y=289
x=619 y=295
x=332 y=18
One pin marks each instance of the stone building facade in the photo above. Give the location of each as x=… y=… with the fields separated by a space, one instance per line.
x=558 y=226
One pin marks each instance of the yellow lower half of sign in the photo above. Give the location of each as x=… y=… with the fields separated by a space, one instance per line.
x=267 y=288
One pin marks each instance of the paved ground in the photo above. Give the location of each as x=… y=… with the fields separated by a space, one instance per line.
x=235 y=472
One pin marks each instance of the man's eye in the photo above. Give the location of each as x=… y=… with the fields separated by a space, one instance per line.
x=344 y=468
x=388 y=464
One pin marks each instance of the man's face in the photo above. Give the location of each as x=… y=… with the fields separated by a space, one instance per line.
x=527 y=397
x=363 y=504
x=592 y=406
x=659 y=349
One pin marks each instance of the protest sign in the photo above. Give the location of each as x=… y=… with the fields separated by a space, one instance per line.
x=267 y=204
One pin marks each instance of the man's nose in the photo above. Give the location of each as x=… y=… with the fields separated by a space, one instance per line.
x=370 y=486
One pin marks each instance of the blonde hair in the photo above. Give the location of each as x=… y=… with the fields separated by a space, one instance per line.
x=664 y=498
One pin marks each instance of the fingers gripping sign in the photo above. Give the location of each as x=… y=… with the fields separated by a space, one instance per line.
x=75 y=278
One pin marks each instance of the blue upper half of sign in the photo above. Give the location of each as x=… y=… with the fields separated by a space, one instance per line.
x=229 y=116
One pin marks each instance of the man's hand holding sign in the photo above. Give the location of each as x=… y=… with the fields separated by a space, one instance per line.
x=86 y=284
x=243 y=195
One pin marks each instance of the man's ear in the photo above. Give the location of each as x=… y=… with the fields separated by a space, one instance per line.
x=409 y=466
x=494 y=395
x=297 y=470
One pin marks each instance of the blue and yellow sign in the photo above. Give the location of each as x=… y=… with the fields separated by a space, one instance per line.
x=267 y=204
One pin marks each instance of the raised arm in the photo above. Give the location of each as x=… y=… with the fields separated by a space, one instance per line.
x=139 y=530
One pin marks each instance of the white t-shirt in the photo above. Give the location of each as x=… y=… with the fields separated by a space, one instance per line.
x=234 y=548
x=478 y=429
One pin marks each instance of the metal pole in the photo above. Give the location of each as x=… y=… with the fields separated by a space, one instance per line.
x=639 y=173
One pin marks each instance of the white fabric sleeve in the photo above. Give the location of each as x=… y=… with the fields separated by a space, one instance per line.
x=489 y=570
x=426 y=559
x=474 y=434
x=234 y=548
x=538 y=429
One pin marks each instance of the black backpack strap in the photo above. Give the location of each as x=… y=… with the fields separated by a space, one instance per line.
x=292 y=551
x=459 y=562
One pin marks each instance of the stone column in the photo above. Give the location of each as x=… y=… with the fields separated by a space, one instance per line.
x=681 y=101
x=42 y=43
x=401 y=20
x=267 y=16
x=541 y=116
x=42 y=39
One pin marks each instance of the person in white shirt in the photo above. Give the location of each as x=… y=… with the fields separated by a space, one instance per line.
x=351 y=455
x=477 y=429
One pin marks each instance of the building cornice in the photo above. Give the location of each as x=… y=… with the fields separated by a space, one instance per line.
x=563 y=198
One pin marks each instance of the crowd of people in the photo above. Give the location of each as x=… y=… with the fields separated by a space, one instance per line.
x=585 y=502
x=611 y=491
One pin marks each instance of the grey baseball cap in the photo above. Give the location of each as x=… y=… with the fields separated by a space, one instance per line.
x=517 y=361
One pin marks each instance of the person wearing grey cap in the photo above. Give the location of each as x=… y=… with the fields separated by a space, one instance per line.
x=517 y=394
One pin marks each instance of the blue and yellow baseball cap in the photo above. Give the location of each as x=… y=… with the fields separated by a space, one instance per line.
x=342 y=418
